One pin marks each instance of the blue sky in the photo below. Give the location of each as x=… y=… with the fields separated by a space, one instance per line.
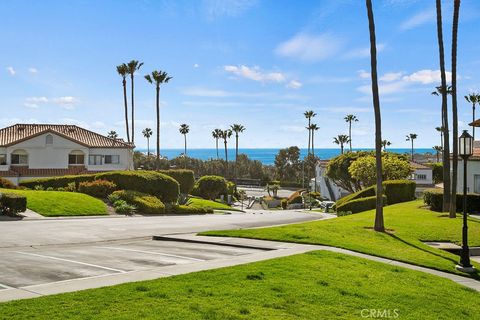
x=258 y=63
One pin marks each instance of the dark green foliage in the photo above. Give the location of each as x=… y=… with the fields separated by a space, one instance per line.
x=185 y=178
x=284 y=204
x=7 y=184
x=11 y=203
x=399 y=190
x=57 y=182
x=122 y=207
x=367 y=192
x=182 y=209
x=359 y=205
x=210 y=187
x=437 y=171
x=144 y=203
x=97 y=188
x=296 y=199
x=434 y=199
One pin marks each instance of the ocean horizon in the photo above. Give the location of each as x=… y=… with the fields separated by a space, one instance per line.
x=267 y=155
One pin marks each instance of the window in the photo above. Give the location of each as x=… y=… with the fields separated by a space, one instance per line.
x=76 y=159
x=421 y=177
x=112 y=159
x=3 y=159
x=49 y=139
x=20 y=159
x=476 y=181
x=95 y=160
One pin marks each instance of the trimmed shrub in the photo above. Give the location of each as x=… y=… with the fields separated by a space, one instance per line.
x=97 y=188
x=434 y=199
x=231 y=188
x=154 y=183
x=210 y=187
x=7 y=184
x=284 y=204
x=437 y=171
x=144 y=203
x=122 y=207
x=359 y=205
x=182 y=209
x=399 y=190
x=57 y=182
x=296 y=197
x=11 y=203
x=367 y=192
x=185 y=178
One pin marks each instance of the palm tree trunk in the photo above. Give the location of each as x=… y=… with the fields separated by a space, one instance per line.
x=226 y=159
x=158 y=127
x=341 y=148
x=441 y=139
x=438 y=160
x=236 y=158
x=446 y=138
x=379 y=223
x=185 y=152
x=309 y=135
x=133 y=111
x=473 y=117
x=350 y=134
x=216 y=142
x=453 y=203
x=412 y=149
x=124 y=82
x=148 y=146
x=314 y=166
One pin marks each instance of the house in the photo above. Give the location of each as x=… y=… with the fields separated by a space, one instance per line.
x=44 y=150
x=422 y=175
x=473 y=171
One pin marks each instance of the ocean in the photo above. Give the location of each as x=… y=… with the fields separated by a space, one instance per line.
x=267 y=156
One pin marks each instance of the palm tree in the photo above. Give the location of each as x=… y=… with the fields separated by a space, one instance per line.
x=159 y=78
x=350 y=118
x=226 y=134
x=379 y=222
x=443 y=90
x=440 y=129
x=411 y=137
x=309 y=115
x=132 y=67
x=438 y=150
x=341 y=139
x=313 y=127
x=385 y=144
x=112 y=135
x=184 y=129
x=473 y=98
x=453 y=203
x=147 y=133
x=237 y=128
x=217 y=134
x=122 y=71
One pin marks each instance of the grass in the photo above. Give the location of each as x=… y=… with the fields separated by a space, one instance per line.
x=316 y=285
x=203 y=203
x=408 y=225
x=60 y=203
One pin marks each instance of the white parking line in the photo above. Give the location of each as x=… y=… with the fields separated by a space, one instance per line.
x=153 y=252
x=72 y=261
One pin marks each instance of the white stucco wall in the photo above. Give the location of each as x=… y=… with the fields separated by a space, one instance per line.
x=427 y=172
x=126 y=160
x=473 y=169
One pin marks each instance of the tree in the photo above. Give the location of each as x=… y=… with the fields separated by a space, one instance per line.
x=313 y=128
x=453 y=202
x=147 y=133
x=443 y=90
x=158 y=78
x=237 y=128
x=309 y=115
x=184 y=129
x=123 y=71
x=226 y=134
x=217 y=134
x=411 y=137
x=379 y=223
x=132 y=67
x=112 y=135
x=473 y=98
x=350 y=118
x=341 y=139
x=385 y=144
x=438 y=150
x=440 y=129
x=393 y=168
x=287 y=164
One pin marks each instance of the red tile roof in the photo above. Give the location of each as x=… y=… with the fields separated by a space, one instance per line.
x=416 y=165
x=21 y=132
x=24 y=171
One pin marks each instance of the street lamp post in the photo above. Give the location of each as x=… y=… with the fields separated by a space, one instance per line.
x=465 y=143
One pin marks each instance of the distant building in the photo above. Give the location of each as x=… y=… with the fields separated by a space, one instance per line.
x=45 y=150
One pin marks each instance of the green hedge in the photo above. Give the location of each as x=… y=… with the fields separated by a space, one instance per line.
x=367 y=192
x=434 y=199
x=399 y=190
x=144 y=203
x=182 y=209
x=57 y=182
x=211 y=187
x=97 y=188
x=185 y=178
x=359 y=205
x=12 y=203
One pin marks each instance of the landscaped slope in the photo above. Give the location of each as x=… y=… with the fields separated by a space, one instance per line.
x=408 y=225
x=316 y=285
x=60 y=203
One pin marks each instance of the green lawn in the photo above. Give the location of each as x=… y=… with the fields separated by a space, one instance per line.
x=60 y=203
x=202 y=203
x=316 y=285
x=408 y=225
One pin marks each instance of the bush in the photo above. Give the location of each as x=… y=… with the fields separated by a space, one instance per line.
x=185 y=178
x=294 y=197
x=7 y=184
x=11 y=203
x=399 y=190
x=359 y=205
x=144 y=203
x=57 y=182
x=367 y=192
x=210 y=187
x=437 y=171
x=182 y=209
x=97 y=188
x=434 y=199
x=231 y=188
x=122 y=207
x=284 y=204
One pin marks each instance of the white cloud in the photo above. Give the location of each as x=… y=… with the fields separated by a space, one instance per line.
x=254 y=73
x=363 y=74
x=11 y=70
x=66 y=102
x=196 y=65
x=33 y=70
x=310 y=48
x=418 y=19
x=294 y=84
x=33 y=102
x=346 y=110
x=427 y=76
x=229 y=8
x=384 y=88
x=391 y=76
x=363 y=52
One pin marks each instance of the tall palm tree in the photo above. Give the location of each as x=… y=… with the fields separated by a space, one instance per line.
x=385 y=144
x=444 y=91
x=237 y=128
x=226 y=134
x=440 y=129
x=147 y=133
x=217 y=134
x=473 y=98
x=411 y=137
x=313 y=127
x=341 y=139
x=350 y=118
x=132 y=67
x=158 y=78
x=438 y=150
x=309 y=115
x=379 y=222
x=453 y=202
x=112 y=135
x=123 y=71
x=184 y=129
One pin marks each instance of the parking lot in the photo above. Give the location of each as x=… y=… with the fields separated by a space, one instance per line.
x=21 y=268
